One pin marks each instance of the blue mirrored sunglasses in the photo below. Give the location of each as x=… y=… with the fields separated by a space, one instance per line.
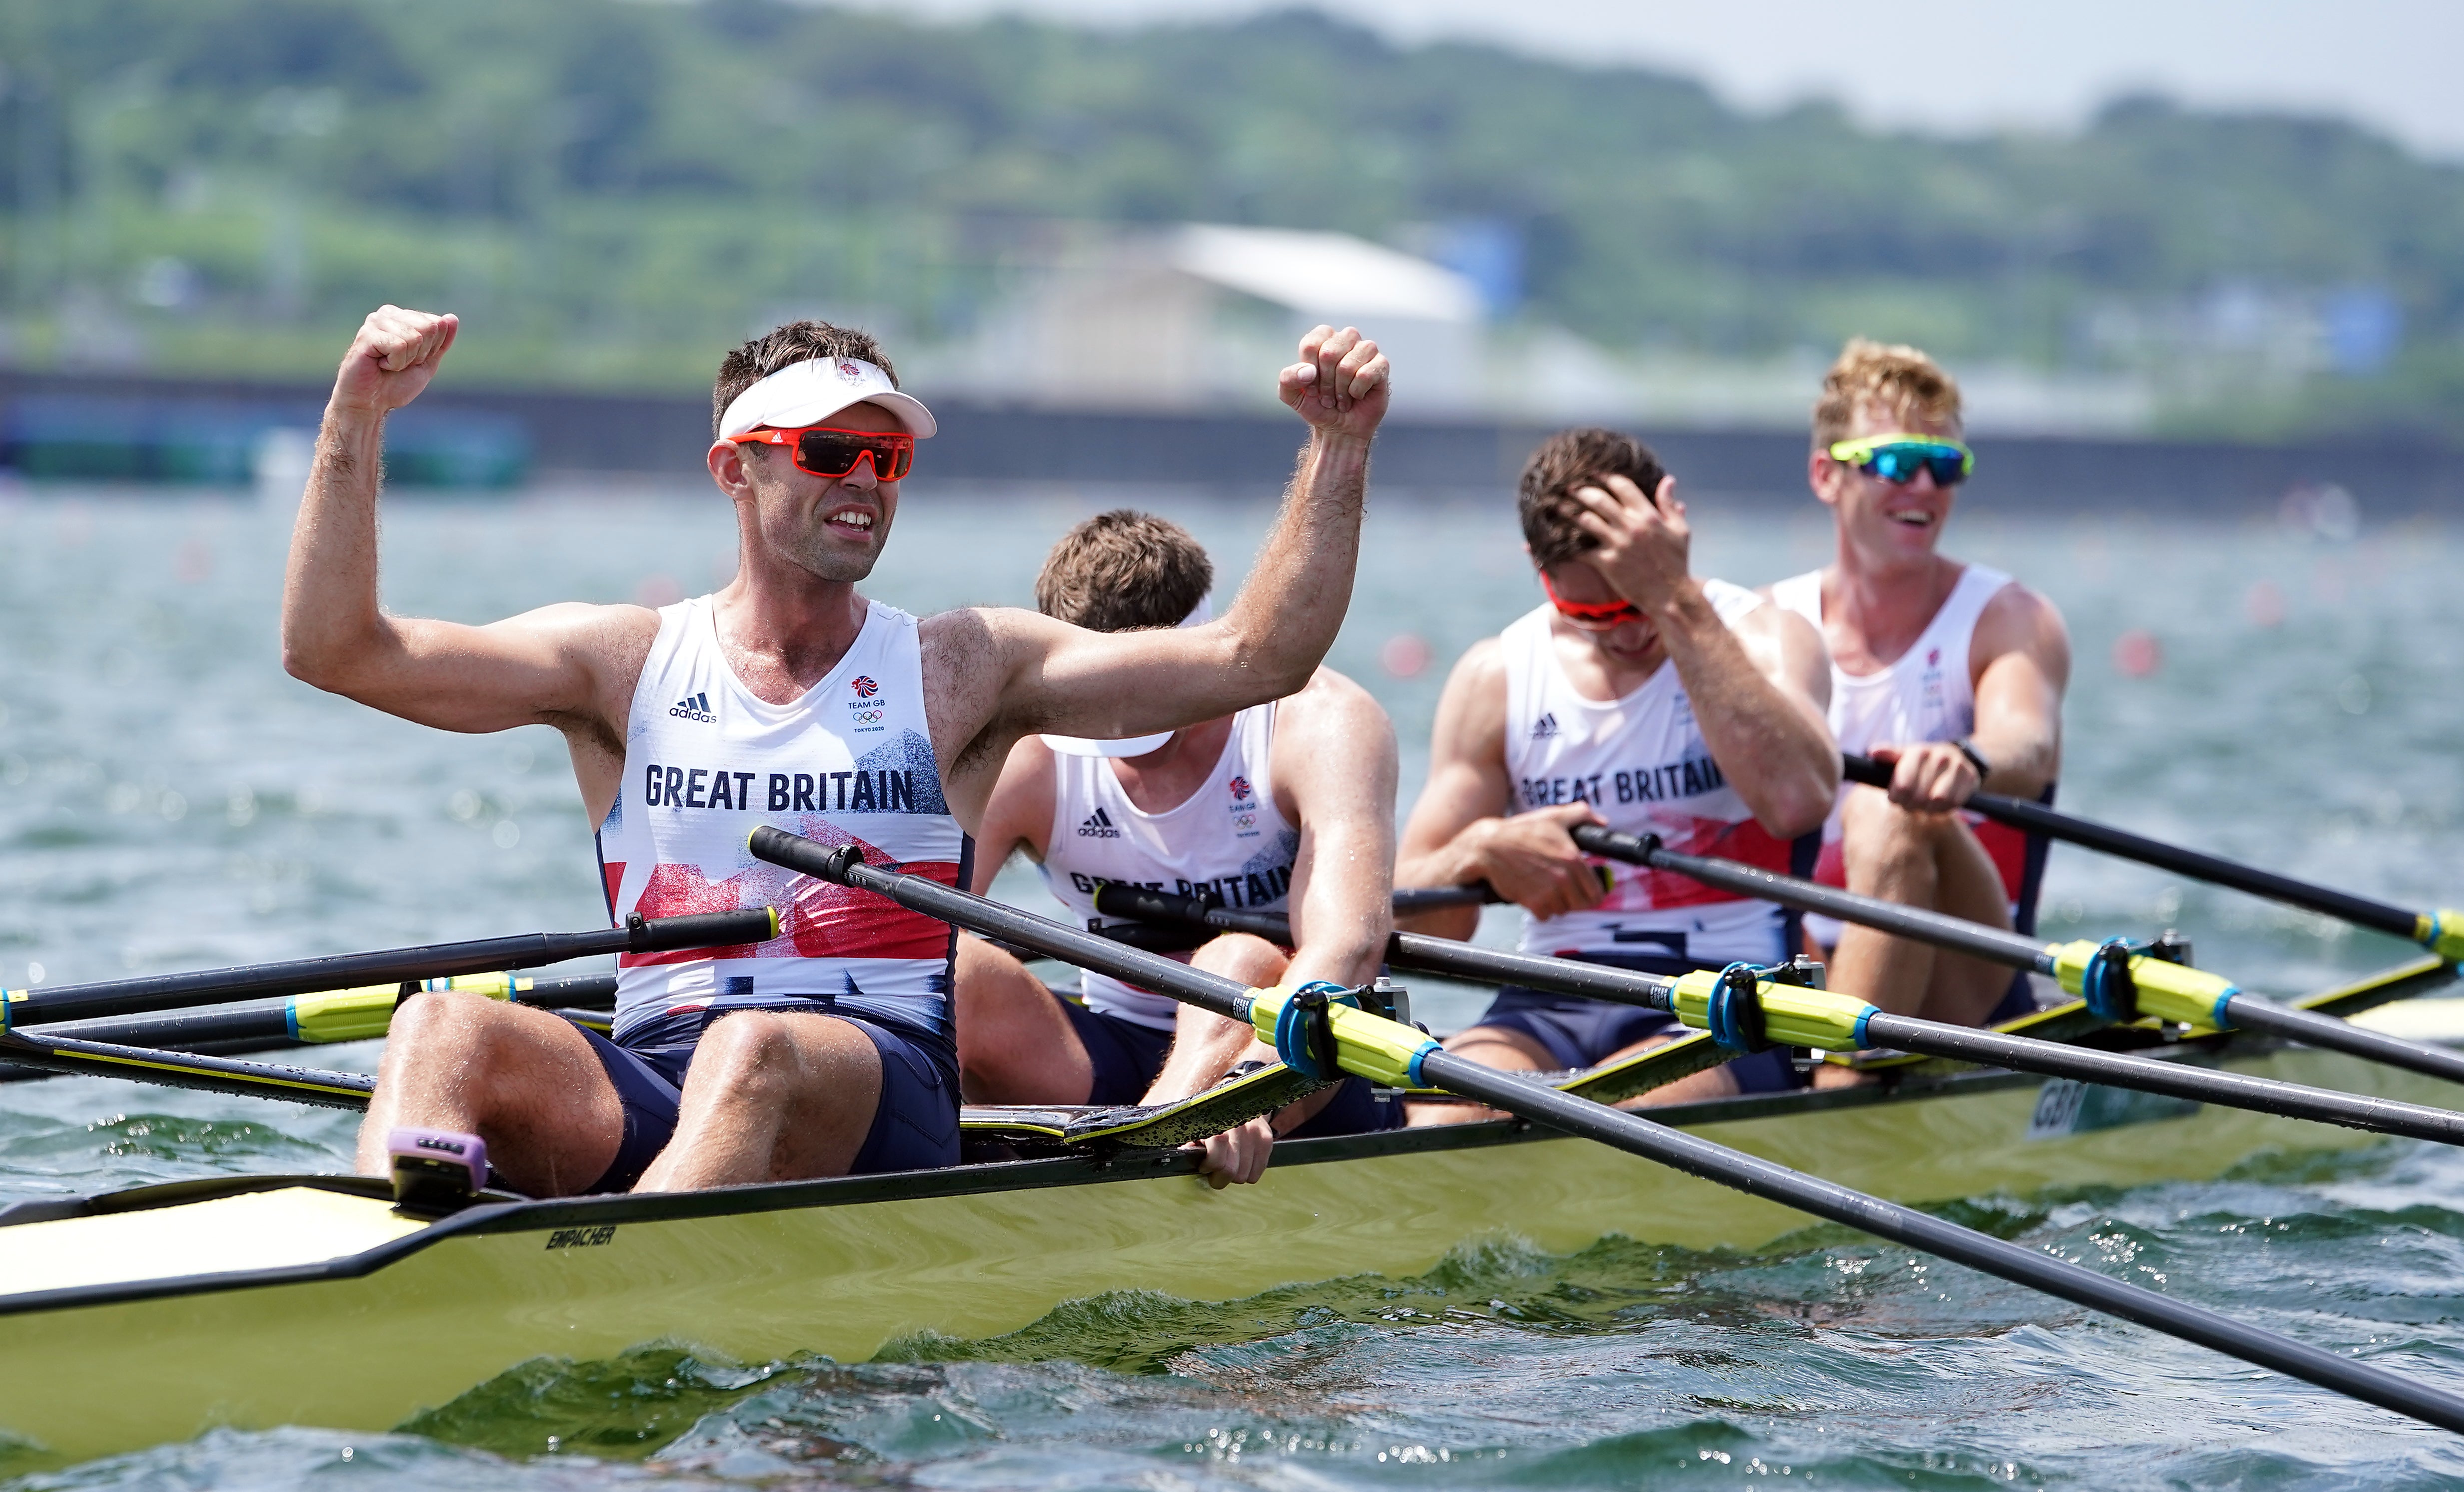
x=1897 y=458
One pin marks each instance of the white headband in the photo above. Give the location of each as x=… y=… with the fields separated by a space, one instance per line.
x=1130 y=746
x=811 y=391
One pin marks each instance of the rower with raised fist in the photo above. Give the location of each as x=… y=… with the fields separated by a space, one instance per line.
x=785 y=698
x=1286 y=803
x=1639 y=697
x=1952 y=673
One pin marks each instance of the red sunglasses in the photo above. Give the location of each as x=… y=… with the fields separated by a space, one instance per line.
x=1592 y=615
x=828 y=451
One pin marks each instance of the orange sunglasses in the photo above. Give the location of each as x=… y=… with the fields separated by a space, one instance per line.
x=1592 y=615
x=828 y=451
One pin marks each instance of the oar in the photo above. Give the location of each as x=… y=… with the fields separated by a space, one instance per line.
x=1752 y=1013
x=2119 y=985
x=1155 y=938
x=1305 y=1026
x=2442 y=932
x=204 y=1074
x=390 y=966
x=318 y=1019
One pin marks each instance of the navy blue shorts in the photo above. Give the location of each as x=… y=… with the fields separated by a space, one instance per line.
x=1126 y=1056
x=914 y=1127
x=1579 y=1033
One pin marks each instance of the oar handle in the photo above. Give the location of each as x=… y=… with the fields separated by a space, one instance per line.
x=1412 y=900
x=2036 y=818
x=1991 y=943
x=391 y=965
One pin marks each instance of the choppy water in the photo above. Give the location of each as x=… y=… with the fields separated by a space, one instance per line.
x=169 y=799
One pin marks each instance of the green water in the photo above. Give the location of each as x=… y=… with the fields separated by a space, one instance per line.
x=169 y=799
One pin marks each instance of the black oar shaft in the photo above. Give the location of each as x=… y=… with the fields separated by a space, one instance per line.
x=1916 y=1230
x=2036 y=818
x=187 y=1070
x=1413 y=950
x=1901 y=1032
x=1958 y=934
x=2244 y=1010
x=1673 y=1148
x=846 y=866
x=269 y=1025
x=351 y=970
x=2171 y=1078
x=2250 y=1013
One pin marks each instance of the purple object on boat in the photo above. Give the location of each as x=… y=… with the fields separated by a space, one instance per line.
x=437 y=1170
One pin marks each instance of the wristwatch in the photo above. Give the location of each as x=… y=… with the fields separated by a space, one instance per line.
x=1975 y=758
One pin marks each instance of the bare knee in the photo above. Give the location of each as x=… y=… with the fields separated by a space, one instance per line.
x=750 y=1055
x=452 y=1028
x=1878 y=835
x=1243 y=957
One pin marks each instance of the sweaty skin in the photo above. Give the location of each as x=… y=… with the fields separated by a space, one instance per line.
x=1759 y=690
x=1331 y=773
x=1906 y=844
x=770 y=1094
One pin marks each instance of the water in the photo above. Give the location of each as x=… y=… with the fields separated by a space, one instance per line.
x=170 y=799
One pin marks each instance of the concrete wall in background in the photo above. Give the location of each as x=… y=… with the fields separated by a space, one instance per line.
x=575 y=436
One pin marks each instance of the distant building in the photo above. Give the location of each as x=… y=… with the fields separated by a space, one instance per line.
x=1201 y=316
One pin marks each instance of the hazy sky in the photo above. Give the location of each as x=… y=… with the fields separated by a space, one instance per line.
x=1944 y=64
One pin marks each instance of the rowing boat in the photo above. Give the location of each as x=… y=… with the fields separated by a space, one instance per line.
x=147 y=1315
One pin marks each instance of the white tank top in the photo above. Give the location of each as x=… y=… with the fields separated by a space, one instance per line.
x=1226 y=842
x=848 y=761
x=1927 y=693
x=1642 y=765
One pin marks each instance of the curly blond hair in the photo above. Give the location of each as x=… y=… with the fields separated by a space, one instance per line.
x=1900 y=379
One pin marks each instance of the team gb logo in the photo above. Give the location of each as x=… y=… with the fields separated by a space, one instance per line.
x=1240 y=788
x=864 y=686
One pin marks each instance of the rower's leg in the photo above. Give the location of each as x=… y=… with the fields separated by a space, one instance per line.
x=1205 y=1046
x=1490 y=1046
x=522 y=1080
x=1016 y=1044
x=770 y=1096
x=1930 y=861
x=1965 y=991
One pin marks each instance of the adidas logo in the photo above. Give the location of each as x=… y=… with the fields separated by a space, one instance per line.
x=1544 y=727
x=695 y=707
x=1098 y=826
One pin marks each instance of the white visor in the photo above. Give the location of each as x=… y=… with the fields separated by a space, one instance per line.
x=1130 y=746
x=811 y=391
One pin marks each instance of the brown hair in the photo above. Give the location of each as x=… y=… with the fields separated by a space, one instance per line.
x=1122 y=570
x=1902 y=380
x=1568 y=459
x=785 y=347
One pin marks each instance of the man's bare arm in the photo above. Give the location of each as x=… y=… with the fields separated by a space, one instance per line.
x=998 y=674
x=2019 y=691
x=536 y=667
x=1333 y=756
x=1464 y=830
x=1761 y=691
x=2021 y=657
x=1019 y=813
